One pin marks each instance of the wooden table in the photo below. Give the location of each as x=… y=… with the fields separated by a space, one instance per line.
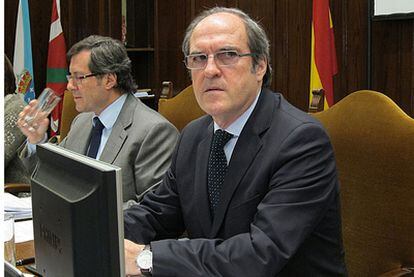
x=24 y=250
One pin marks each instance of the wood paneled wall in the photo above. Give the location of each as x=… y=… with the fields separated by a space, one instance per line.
x=79 y=19
x=287 y=23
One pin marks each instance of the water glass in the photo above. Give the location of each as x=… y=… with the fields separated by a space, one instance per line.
x=8 y=238
x=46 y=102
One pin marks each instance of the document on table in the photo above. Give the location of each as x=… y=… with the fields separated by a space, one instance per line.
x=143 y=93
x=20 y=208
x=23 y=231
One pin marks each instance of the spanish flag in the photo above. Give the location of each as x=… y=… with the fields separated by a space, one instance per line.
x=323 y=55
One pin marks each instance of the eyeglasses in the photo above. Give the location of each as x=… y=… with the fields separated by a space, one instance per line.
x=222 y=58
x=77 y=79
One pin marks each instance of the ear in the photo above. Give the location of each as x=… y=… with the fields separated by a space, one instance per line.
x=261 y=68
x=110 y=81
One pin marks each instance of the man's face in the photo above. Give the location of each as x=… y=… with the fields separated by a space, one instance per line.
x=89 y=94
x=224 y=92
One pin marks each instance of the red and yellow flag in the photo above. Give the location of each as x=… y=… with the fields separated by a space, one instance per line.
x=323 y=55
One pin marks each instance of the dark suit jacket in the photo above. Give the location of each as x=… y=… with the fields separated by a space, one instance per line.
x=279 y=211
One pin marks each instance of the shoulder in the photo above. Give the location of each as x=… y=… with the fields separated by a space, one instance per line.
x=197 y=129
x=287 y=115
x=82 y=119
x=277 y=122
x=84 y=116
x=142 y=117
x=14 y=102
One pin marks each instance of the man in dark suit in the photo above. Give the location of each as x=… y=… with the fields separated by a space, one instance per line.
x=133 y=136
x=264 y=204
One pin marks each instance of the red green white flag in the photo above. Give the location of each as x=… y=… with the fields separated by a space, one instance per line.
x=56 y=65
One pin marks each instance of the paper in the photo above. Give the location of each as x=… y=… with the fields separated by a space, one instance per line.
x=144 y=93
x=20 y=208
x=140 y=94
x=23 y=231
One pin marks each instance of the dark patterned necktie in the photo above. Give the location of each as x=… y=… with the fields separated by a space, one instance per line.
x=95 y=138
x=217 y=167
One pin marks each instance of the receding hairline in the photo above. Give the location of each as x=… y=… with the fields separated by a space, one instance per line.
x=241 y=21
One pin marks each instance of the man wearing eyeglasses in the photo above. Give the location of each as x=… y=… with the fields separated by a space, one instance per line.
x=113 y=125
x=253 y=184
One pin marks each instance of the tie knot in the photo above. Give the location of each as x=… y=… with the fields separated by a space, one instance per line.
x=97 y=124
x=221 y=137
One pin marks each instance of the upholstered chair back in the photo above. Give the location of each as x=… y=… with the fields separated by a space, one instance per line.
x=68 y=114
x=373 y=140
x=180 y=109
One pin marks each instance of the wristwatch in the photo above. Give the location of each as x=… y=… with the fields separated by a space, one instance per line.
x=144 y=261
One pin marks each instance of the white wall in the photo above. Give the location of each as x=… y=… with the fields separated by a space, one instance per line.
x=386 y=7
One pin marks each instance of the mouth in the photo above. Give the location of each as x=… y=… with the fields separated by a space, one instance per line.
x=213 y=89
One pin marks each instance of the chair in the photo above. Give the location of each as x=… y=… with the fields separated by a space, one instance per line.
x=180 y=109
x=373 y=140
x=318 y=101
x=16 y=188
x=68 y=114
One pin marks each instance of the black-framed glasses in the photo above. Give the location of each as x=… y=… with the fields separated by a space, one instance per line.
x=222 y=58
x=78 y=78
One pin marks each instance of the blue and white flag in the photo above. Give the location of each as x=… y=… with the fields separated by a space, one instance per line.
x=22 y=61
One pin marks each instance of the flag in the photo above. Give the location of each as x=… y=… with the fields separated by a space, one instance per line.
x=124 y=23
x=22 y=61
x=323 y=54
x=56 y=65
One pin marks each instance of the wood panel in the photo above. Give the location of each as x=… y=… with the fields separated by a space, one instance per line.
x=287 y=23
x=173 y=22
x=298 y=64
x=83 y=18
x=279 y=43
x=351 y=41
x=393 y=53
x=79 y=19
x=39 y=20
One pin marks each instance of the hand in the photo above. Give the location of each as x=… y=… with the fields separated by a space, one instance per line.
x=35 y=132
x=132 y=251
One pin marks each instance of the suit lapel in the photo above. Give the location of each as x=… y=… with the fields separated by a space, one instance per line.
x=244 y=153
x=119 y=134
x=83 y=142
x=202 y=199
x=79 y=140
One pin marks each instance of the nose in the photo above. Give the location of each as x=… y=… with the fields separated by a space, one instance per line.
x=211 y=70
x=70 y=85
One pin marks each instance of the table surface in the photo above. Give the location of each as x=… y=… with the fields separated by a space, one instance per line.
x=24 y=250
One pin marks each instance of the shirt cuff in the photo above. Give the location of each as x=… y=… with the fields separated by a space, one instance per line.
x=31 y=148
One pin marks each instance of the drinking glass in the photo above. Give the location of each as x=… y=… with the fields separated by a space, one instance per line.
x=46 y=102
x=8 y=238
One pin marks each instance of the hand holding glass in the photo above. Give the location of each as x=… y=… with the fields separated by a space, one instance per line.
x=46 y=102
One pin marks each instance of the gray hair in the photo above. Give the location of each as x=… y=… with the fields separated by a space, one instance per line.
x=257 y=38
x=108 y=55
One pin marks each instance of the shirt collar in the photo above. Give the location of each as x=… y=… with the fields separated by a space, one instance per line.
x=237 y=126
x=110 y=114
